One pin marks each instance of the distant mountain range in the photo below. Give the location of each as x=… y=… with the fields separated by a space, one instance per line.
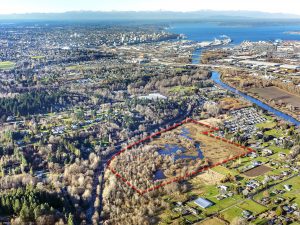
x=150 y=15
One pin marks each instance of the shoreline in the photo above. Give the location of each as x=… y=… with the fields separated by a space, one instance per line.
x=292 y=32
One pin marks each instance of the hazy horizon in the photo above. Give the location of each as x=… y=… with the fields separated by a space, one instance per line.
x=162 y=16
x=57 y=6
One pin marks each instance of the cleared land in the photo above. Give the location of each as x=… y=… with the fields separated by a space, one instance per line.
x=233 y=103
x=209 y=177
x=257 y=171
x=214 y=150
x=277 y=94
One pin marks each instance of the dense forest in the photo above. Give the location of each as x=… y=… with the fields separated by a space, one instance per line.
x=33 y=205
x=34 y=102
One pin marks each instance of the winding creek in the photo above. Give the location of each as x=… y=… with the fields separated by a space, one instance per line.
x=217 y=80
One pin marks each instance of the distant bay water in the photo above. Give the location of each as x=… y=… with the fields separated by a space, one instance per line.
x=208 y=31
x=238 y=33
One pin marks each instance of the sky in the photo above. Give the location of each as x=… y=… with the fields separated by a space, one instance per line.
x=28 y=6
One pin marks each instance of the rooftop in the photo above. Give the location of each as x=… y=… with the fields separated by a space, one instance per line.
x=203 y=203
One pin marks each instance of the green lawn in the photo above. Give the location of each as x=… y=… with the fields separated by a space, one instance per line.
x=210 y=191
x=236 y=211
x=276 y=149
x=295 y=192
x=191 y=218
x=224 y=171
x=179 y=69
x=252 y=207
x=267 y=125
x=182 y=89
x=222 y=204
x=6 y=65
x=276 y=171
x=38 y=57
x=275 y=133
x=232 y=213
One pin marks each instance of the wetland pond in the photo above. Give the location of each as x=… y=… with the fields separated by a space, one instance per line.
x=178 y=152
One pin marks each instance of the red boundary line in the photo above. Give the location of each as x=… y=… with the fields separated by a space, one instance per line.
x=204 y=168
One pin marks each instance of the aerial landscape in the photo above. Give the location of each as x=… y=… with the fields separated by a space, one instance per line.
x=149 y=112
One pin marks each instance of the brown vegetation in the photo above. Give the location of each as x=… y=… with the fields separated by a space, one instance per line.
x=257 y=171
x=233 y=104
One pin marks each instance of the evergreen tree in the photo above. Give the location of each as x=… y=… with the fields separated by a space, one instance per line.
x=70 y=219
x=25 y=212
x=278 y=211
x=17 y=206
x=37 y=212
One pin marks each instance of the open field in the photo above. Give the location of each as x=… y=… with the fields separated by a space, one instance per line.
x=252 y=206
x=208 y=178
x=232 y=213
x=267 y=125
x=224 y=171
x=233 y=103
x=274 y=93
x=215 y=150
x=221 y=204
x=257 y=171
x=6 y=65
x=182 y=89
x=275 y=132
x=212 y=121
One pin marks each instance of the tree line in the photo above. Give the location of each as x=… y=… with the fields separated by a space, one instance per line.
x=30 y=203
x=32 y=103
